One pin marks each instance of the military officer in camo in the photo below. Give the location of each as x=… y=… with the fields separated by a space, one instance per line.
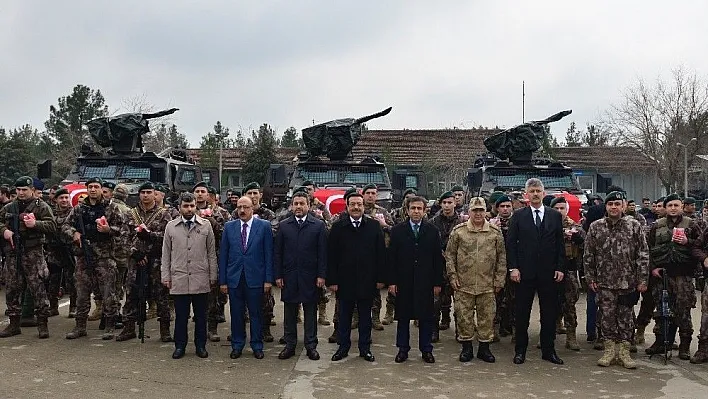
x=504 y=319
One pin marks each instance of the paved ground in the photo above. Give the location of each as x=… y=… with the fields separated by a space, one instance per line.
x=91 y=368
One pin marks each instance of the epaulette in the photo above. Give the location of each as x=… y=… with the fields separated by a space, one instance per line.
x=495 y=227
x=459 y=226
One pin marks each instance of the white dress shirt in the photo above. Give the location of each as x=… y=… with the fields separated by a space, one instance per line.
x=249 y=224
x=541 y=210
x=355 y=220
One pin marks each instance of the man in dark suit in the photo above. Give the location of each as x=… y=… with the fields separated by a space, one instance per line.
x=300 y=265
x=536 y=262
x=245 y=273
x=416 y=277
x=355 y=272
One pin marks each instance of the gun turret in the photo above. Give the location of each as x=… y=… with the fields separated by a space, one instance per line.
x=123 y=133
x=518 y=143
x=336 y=138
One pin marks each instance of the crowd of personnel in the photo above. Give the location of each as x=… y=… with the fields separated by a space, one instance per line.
x=487 y=257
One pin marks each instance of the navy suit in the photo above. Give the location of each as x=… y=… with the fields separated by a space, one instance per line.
x=245 y=272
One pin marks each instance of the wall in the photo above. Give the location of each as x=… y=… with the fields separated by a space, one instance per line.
x=637 y=184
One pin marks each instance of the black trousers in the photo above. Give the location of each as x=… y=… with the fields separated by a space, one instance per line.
x=548 y=291
x=199 y=305
x=346 y=310
x=310 y=324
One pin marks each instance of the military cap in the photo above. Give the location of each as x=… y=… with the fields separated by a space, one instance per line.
x=94 y=180
x=615 y=196
x=252 y=186
x=689 y=201
x=446 y=195
x=370 y=186
x=558 y=200
x=493 y=196
x=457 y=187
x=109 y=185
x=148 y=185
x=37 y=184
x=61 y=191
x=671 y=197
x=410 y=191
x=300 y=189
x=211 y=190
x=478 y=203
x=547 y=200
x=200 y=184
x=349 y=192
x=236 y=193
x=502 y=199
x=308 y=183
x=24 y=181
x=161 y=188
x=121 y=192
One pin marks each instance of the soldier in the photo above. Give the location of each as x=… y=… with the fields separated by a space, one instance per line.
x=689 y=207
x=671 y=240
x=94 y=225
x=318 y=208
x=632 y=211
x=504 y=319
x=476 y=268
x=253 y=191
x=700 y=252
x=60 y=256
x=379 y=213
x=108 y=188
x=217 y=217
x=146 y=227
x=445 y=221
x=400 y=215
x=161 y=192
x=23 y=224
x=616 y=264
x=459 y=192
x=121 y=254
x=574 y=239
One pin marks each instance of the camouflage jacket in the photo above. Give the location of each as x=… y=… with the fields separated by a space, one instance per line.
x=173 y=211
x=476 y=259
x=373 y=212
x=59 y=245
x=31 y=237
x=399 y=215
x=265 y=214
x=101 y=244
x=502 y=223
x=445 y=225
x=319 y=210
x=122 y=243
x=148 y=243
x=616 y=255
x=574 y=238
x=675 y=258
x=217 y=217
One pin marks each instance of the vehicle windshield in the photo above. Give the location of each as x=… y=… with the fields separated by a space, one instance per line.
x=115 y=171
x=345 y=174
x=516 y=179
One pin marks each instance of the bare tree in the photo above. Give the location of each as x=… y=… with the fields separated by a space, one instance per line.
x=158 y=137
x=653 y=118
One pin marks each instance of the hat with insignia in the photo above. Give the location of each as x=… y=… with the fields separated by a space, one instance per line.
x=615 y=196
x=558 y=200
x=349 y=192
x=162 y=188
x=300 y=189
x=94 y=180
x=61 y=191
x=211 y=190
x=24 y=181
x=309 y=183
x=689 y=201
x=446 y=195
x=671 y=197
x=109 y=185
x=370 y=186
x=200 y=184
x=478 y=203
x=502 y=199
x=252 y=186
x=148 y=185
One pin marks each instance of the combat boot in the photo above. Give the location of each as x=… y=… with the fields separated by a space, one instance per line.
x=212 y=333
x=165 y=335
x=267 y=336
x=97 y=311
x=624 y=357
x=445 y=320
x=119 y=321
x=608 y=356
x=656 y=348
x=484 y=353
x=78 y=331
x=571 y=340
x=128 y=331
x=639 y=335
x=42 y=328
x=12 y=329
x=467 y=352
x=388 y=317
x=333 y=338
x=72 y=307
x=684 y=351
x=109 y=331
x=355 y=320
x=30 y=321
x=560 y=329
x=151 y=312
x=53 y=306
x=701 y=355
x=599 y=344
x=375 y=319
x=322 y=314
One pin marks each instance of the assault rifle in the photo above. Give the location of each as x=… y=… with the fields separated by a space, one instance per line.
x=88 y=255
x=17 y=241
x=141 y=290
x=664 y=314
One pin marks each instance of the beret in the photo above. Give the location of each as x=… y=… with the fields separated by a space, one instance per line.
x=558 y=200
x=689 y=200
x=671 y=197
x=37 y=184
x=109 y=185
x=162 y=188
x=502 y=199
x=446 y=195
x=457 y=187
x=547 y=200
x=349 y=192
x=94 y=180
x=308 y=183
x=252 y=186
x=210 y=190
x=148 y=185
x=615 y=196
x=410 y=191
x=370 y=186
x=61 y=191
x=300 y=189
x=200 y=184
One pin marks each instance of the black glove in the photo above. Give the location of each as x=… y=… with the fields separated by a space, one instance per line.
x=137 y=256
x=144 y=235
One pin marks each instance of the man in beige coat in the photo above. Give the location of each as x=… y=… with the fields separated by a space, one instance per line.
x=189 y=271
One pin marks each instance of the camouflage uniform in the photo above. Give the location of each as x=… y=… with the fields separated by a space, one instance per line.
x=320 y=211
x=121 y=254
x=476 y=259
x=701 y=253
x=506 y=298
x=146 y=244
x=216 y=299
x=571 y=286
x=102 y=267
x=34 y=269
x=372 y=211
x=443 y=302
x=61 y=262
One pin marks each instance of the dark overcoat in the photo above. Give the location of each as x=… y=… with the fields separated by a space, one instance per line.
x=415 y=267
x=356 y=258
x=300 y=257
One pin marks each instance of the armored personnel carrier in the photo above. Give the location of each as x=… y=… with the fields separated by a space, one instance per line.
x=510 y=161
x=328 y=162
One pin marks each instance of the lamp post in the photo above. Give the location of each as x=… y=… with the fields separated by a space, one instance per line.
x=685 y=165
x=221 y=138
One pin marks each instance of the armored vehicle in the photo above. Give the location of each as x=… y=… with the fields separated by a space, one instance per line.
x=328 y=162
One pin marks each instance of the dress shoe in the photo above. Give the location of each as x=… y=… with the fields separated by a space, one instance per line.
x=286 y=353
x=202 y=353
x=401 y=357
x=553 y=358
x=235 y=354
x=281 y=340
x=178 y=353
x=312 y=354
x=519 y=358
x=428 y=357
x=368 y=356
x=339 y=355
x=258 y=354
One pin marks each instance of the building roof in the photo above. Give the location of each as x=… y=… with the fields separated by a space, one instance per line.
x=233 y=158
x=604 y=159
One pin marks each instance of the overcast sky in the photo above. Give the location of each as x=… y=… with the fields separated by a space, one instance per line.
x=439 y=64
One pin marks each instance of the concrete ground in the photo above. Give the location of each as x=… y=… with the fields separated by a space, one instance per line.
x=92 y=368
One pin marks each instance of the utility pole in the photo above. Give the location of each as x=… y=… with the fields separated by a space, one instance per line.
x=523 y=101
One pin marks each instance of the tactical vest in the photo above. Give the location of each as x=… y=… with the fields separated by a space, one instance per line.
x=675 y=258
x=89 y=214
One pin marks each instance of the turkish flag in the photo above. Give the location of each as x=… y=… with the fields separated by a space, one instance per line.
x=573 y=203
x=77 y=192
x=333 y=200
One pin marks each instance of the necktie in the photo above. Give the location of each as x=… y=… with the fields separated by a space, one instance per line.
x=244 y=236
x=537 y=219
x=416 y=227
x=300 y=222
x=356 y=224
x=189 y=224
